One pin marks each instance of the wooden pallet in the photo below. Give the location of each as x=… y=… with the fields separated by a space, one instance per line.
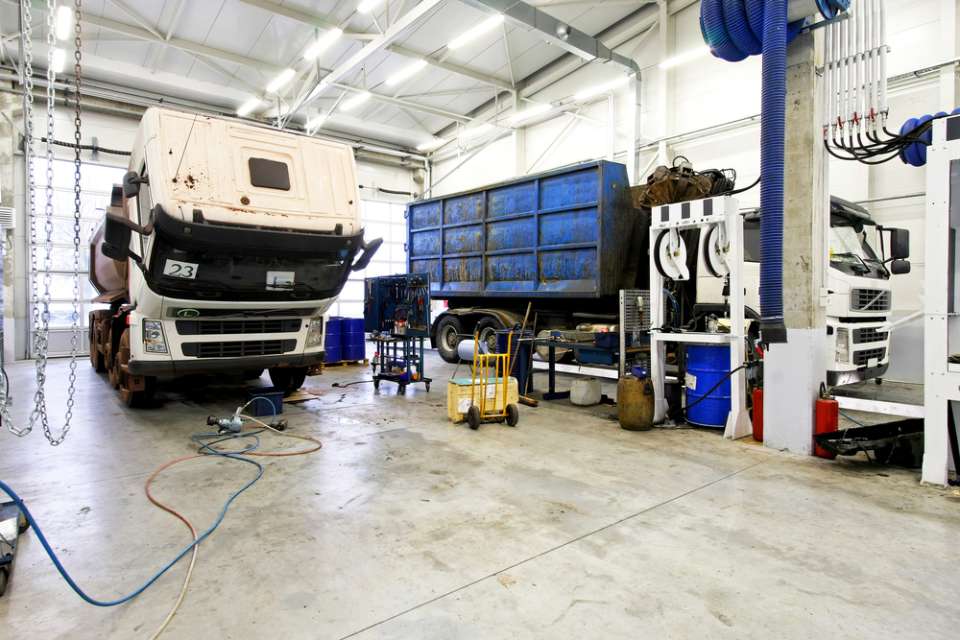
x=347 y=363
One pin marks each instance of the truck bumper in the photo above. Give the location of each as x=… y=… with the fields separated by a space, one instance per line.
x=840 y=378
x=171 y=368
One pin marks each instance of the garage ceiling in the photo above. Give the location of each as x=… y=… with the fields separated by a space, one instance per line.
x=223 y=52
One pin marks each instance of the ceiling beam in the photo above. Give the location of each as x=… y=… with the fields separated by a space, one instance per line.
x=394 y=31
x=305 y=17
x=555 y=31
x=452 y=67
x=177 y=43
x=407 y=104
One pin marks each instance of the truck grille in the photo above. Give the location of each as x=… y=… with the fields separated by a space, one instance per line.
x=869 y=300
x=220 y=327
x=871 y=334
x=861 y=358
x=238 y=349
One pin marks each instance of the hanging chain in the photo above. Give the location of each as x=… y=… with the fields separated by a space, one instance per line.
x=75 y=335
x=26 y=20
x=41 y=303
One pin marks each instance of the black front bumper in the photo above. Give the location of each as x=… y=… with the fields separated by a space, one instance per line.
x=172 y=368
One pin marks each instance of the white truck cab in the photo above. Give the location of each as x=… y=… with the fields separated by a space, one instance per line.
x=859 y=299
x=222 y=250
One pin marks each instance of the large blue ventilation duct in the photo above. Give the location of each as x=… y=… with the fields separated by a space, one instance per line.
x=734 y=30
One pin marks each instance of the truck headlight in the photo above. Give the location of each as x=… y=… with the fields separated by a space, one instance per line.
x=153 y=338
x=315 y=333
x=843 y=345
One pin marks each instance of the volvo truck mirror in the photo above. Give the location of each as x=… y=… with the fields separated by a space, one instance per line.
x=900 y=267
x=131 y=184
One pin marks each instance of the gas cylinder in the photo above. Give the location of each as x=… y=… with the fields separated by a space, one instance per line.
x=827 y=418
x=758 y=414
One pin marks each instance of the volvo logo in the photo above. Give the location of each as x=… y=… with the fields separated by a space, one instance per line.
x=188 y=313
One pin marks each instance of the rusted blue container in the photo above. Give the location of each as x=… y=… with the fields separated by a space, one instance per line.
x=560 y=234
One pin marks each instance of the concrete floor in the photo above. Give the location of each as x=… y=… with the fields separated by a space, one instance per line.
x=405 y=526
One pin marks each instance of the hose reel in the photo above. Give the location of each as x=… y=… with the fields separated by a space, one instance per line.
x=670 y=255
x=716 y=250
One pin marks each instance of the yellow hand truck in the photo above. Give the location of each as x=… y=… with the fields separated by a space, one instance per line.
x=489 y=383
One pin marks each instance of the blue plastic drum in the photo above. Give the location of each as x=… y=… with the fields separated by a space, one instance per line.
x=706 y=366
x=353 y=340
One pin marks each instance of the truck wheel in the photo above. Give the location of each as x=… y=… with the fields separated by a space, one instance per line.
x=140 y=399
x=487 y=333
x=97 y=360
x=448 y=338
x=288 y=379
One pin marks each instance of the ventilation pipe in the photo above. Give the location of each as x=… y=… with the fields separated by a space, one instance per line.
x=734 y=30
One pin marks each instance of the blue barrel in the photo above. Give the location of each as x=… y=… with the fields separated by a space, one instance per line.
x=332 y=343
x=706 y=366
x=353 y=340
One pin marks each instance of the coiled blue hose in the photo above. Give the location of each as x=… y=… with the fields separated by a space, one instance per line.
x=916 y=154
x=734 y=30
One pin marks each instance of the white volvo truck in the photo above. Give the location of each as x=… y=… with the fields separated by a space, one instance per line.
x=863 y=258
x=221 y=251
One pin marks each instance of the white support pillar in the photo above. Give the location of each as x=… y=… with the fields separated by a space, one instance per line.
x=519 y=141
x=793 y=371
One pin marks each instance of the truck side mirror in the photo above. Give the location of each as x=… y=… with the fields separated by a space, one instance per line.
x=899 y=244
x=131 y=184
x=116 y=239
x=900 y=267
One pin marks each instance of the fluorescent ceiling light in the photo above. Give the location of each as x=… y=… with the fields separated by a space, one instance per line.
x=430 y=145
x=247 y=107
x=322 y=43
x=281 y=80
x=467 y=37
x=354 y=102
x=64 y=22
x=476 y=131
x=406 y=73
x=600 y=89
x=685 y=57
x=316 y=122
x=530 y=112
x=366 y=6
x=58 y=60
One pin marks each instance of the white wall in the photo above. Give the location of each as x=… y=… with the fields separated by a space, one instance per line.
x=711 y=92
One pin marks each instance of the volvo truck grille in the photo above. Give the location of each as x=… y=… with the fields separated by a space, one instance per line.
x=862 y=358
x=220 y=327
x=871 y=334
x=869 y=300
x=238 y=349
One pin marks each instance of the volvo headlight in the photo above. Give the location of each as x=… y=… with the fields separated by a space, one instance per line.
x=315 y=333
x=153 y=338
x=843 y=346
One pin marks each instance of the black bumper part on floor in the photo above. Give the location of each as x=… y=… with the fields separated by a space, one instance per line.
x=214 y=365
x=840 y=378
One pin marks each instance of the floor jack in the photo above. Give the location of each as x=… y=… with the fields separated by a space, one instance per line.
x=12 y=524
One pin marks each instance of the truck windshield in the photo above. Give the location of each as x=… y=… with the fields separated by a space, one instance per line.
x=851 y=253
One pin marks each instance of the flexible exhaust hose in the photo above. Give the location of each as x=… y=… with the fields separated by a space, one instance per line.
x=734 y=30
x=915 y=154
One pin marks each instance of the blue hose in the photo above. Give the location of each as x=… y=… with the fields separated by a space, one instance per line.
x=916 y=154
x=205 y=448
x=773 y=126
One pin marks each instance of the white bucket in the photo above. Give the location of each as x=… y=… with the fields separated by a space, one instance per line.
x=585 y=392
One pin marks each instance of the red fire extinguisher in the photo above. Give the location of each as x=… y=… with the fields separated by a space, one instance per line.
x=826 y=420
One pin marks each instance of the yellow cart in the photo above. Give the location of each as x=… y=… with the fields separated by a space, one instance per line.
x=490 y=369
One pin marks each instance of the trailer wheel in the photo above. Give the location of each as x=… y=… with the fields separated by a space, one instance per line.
x=487 y=333
x=288 y=379
x=448 y=338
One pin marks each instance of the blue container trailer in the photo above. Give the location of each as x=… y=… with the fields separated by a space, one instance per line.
x=568 y=240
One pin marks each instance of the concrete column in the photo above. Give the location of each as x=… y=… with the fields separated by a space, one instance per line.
x=793 y=371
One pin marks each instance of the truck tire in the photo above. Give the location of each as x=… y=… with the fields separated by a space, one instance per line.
x=487 y=333
x=288 y=379
x=448 y=338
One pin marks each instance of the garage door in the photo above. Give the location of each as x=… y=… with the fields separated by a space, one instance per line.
x=96 y=180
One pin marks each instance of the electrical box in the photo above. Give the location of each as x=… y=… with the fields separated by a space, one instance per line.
x=397 y=305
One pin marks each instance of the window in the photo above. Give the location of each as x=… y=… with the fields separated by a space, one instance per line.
x=96 y=181
x=380 y=219
x=269 y=174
